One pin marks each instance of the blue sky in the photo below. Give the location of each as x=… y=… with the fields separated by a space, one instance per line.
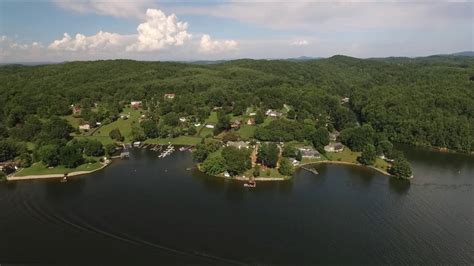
x=60 y=30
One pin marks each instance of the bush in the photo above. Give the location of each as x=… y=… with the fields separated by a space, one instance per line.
x=286 y=168
x=214 y=165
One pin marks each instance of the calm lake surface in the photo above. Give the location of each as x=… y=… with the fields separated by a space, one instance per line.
x=151 y=209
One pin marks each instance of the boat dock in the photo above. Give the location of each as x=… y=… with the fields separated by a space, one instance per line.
x=168 y=151
x=311 y=170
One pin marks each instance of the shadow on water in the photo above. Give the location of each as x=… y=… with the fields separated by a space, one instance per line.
x=399 y=186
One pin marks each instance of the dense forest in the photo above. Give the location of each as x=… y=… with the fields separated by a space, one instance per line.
x=423 y=101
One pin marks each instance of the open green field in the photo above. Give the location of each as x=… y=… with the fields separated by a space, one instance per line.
x=73 y=121
x=40 y=169
x=212 y=118
x=351 y=156
x=124 y=125
x=104 y=139
x=181 y=140
x=206 y=131
x=246 y=131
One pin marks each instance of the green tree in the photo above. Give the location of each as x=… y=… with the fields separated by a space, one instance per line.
x=116 y=135
x=268 y=154
x=286 y=168
x=150 y=129
x=320 y=138
x=93 y=147
x=237 y=160
x=192 y=131
x=401 y=169
x=259 y=117
x=8 y=150
x=200 y=153
x=110 y=149
x=214 y=165
x=368 y=155
x=70 y=157
x=49 y=154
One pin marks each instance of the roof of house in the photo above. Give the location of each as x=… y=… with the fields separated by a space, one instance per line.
x=308 y=151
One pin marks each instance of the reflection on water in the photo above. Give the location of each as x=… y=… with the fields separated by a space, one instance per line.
x=147 y=208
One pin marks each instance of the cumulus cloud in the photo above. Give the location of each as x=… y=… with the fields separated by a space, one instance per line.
x=159 y=32
x=11 y=48
x=299 y=43
x=102 y=41
x=207 y=45
x=117 y=8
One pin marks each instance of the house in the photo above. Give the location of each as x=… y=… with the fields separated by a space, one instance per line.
x=182 y=119
x=169 y=96
x=309 y=152
x=253 y=114
x=334 y=147
x=209 y=126
x=236 y=124
x=251 y=122
x=136 y=104
x=345 y=100
x=238 y=144
x=197 y=124
x=76 y=110
x=85 y=127
x=273 y=113
x=334 y=135
x=293 y=161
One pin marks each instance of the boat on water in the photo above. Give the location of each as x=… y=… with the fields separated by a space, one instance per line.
x=64 y=179
x=251 y=183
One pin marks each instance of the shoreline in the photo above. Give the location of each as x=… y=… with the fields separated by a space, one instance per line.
x=349 y=163
x=51 y=176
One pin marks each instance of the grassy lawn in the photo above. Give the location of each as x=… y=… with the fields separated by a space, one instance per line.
x=206 y=131
x=269 y=172
x=246 y=131
x=344 y=156
x=41 y=169
x=212 y=118
x=73 y=121
x=124 y=125
x=181 y=140
x=104 y=139
x=267 y=121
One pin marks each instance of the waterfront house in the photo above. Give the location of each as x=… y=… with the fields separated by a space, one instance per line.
x=238 y=144
x=334 y=147
x=309 y=152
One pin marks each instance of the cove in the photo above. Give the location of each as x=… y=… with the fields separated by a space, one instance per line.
x=149 y=209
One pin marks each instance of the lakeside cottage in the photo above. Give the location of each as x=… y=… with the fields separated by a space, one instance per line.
x=169 y=96
x=334 y=147
x=238 y=144
x=273 y=113
x=309 y=152
x=136 y=104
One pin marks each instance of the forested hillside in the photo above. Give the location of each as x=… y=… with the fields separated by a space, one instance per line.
x=425 y=101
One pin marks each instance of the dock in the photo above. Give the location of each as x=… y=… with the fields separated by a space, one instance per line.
x=311 y=170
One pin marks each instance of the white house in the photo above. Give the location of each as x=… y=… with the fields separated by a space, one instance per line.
x=85 y=127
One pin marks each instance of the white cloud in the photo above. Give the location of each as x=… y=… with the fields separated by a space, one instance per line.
x=102 y=41
x=207 y=45
x=117 y=8
x=159 y=32
x=299 y=43
x=11 y=48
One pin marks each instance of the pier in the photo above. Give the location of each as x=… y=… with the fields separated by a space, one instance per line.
x=311 y=170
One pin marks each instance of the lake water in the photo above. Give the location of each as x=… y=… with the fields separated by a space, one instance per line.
x=151 y=209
